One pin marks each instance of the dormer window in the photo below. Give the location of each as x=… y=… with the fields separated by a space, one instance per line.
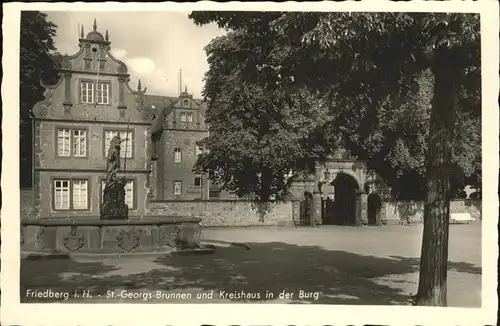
x=186 y=102
x=183 y=116
x=189 y=117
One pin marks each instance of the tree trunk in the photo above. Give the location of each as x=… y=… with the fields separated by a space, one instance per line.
x=434 y=254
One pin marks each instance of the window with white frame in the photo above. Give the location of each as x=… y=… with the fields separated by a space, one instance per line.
x=183 y=116
x=126 y=147
x=177 y=188
x=64 y=142
x=87 y=92
x=177 y=155
x=79 y=143
x=71 y=142
x=80 y=194
x=189 y=117
x=61 y=194
x=129 y=193
x=102 y=93
x=71 y=194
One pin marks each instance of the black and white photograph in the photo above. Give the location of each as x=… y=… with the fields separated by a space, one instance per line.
x=217 y=155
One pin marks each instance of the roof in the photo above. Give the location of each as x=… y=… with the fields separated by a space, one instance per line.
x=95 y=36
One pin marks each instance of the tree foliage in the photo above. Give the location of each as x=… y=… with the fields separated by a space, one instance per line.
x=375 y=70
x=257 y=135
x=371 y=70
x=38 y=61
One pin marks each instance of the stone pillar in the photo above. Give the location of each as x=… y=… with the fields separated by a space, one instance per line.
x=37 y=198
x=37 y=164
x=361 y=209
x=358 y=210
x=383 y=215
x=205 y=185
x=317 y=178
x=121 y=96
x=296 y=211
x=316 y=213
x=153 y=193
x=159 y=168
x=67 y=94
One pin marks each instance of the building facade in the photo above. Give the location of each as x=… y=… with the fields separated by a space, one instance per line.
x=179 y=125
x=73 y=125
x=93 y=101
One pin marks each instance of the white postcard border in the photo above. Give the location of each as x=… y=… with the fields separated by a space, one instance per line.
x=12 y=312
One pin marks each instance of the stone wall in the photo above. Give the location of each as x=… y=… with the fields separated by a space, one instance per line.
x=413 y=211
x=26 y=202
x=245 y=213
x=226 y=213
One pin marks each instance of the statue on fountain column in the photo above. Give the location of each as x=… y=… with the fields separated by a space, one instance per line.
x=113 y=205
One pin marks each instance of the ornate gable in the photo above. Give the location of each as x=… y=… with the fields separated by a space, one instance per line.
x=186 y=101
x=93 y=62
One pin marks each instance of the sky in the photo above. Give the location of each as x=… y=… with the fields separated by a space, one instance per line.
x=153 y=45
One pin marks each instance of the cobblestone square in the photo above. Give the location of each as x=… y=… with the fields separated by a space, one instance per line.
x=326 y=265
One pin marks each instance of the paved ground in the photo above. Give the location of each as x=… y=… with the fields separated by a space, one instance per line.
x=330 y=265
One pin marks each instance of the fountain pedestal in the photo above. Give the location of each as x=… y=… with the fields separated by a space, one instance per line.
x=89 y=235
x=113 y=206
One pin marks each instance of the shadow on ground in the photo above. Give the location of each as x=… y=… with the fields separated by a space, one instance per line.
x=340 y=277
x=460 y=267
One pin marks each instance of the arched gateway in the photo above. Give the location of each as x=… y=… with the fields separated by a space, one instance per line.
x=342 y=190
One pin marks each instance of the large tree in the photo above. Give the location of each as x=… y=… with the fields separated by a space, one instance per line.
x=38 y=61
x=371 y=68
x=257 y=134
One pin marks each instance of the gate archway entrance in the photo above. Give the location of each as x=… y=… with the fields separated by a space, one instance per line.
x=336 y=194
x=374 y=209
x=341 y=206
x=306 y=206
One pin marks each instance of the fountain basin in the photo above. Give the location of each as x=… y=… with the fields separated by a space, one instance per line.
x=93 y=235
